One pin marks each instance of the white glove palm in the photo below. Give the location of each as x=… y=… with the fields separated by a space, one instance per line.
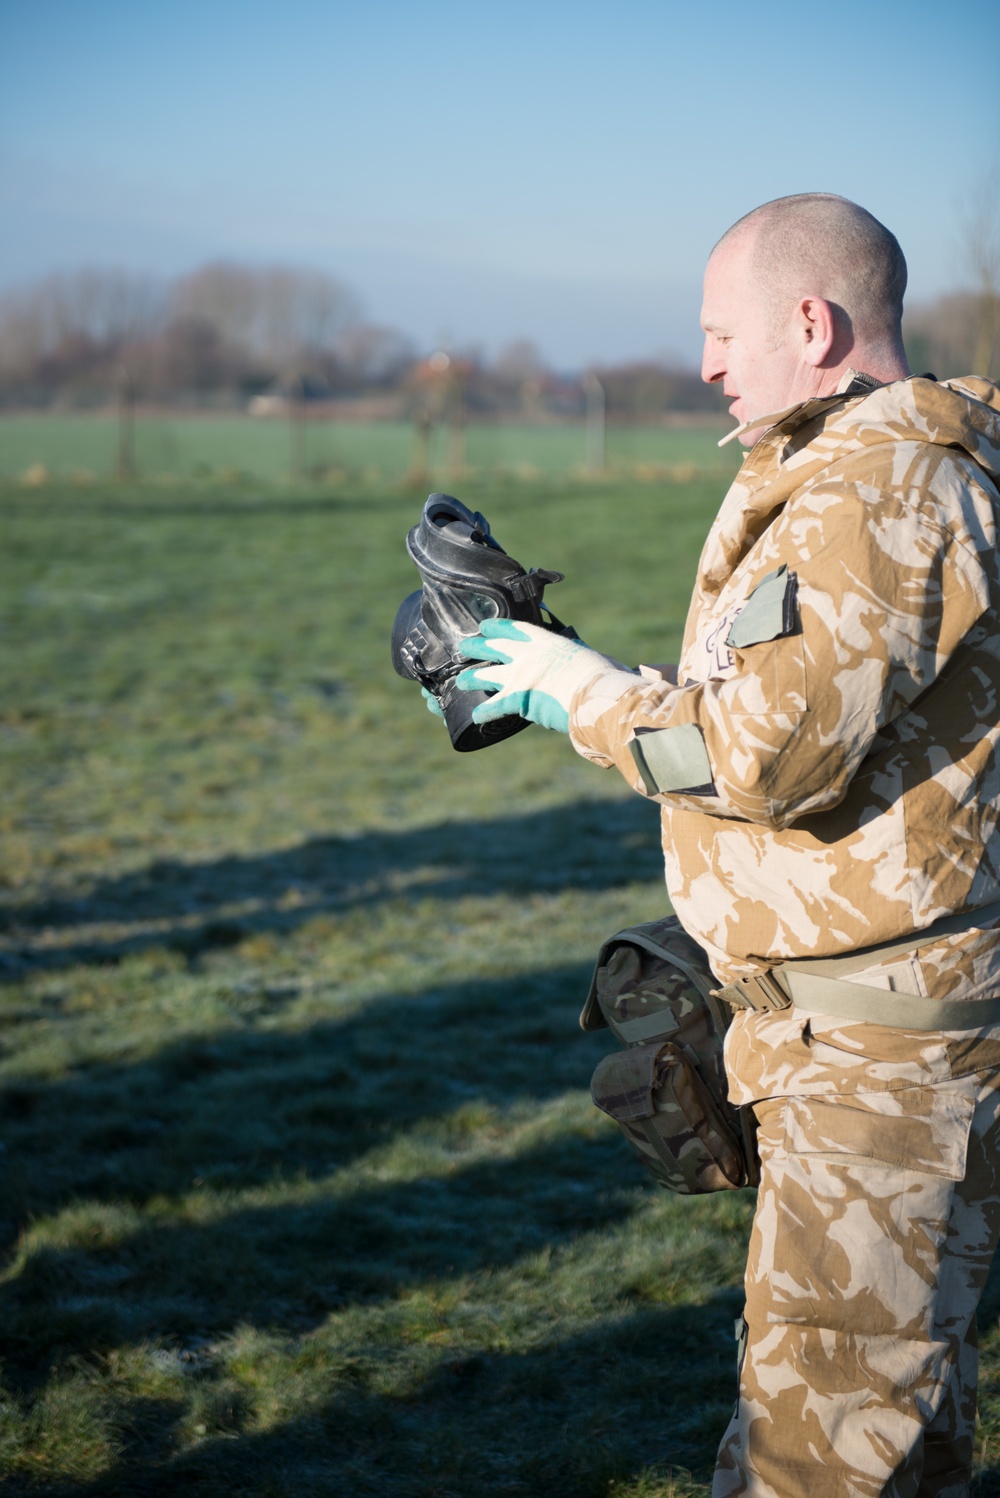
x=534 y=674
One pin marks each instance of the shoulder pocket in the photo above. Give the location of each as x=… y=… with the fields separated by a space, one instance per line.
x=767 y=637
x=769 y=613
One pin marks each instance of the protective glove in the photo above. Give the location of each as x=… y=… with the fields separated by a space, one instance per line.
x=536 y=673
x=433 y=705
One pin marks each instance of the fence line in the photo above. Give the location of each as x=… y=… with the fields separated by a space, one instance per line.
x=38 y=447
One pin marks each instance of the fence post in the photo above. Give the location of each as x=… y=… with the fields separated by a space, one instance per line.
x=455 y=400
x=297 y=412
x=125 y=466
x=420 y=454
x=596 y=422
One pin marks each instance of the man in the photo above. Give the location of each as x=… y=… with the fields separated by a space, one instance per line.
x=825 y=758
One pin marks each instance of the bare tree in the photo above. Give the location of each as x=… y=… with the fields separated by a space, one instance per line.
x=372 y=355
x=519 y=369
x=959 y=331
x=279 y=314
x=982 y=242
x=941 y=335
x=109 y=307
x=75 y=318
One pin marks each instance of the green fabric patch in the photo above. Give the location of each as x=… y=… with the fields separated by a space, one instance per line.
x=768 y=613
x=673 y=759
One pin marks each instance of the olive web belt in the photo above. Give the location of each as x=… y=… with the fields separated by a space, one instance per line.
x=818 y=985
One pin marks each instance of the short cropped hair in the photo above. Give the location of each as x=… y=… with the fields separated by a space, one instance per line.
x=820 y=244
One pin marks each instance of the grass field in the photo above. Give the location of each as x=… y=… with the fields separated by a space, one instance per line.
x=236 y=446
x=304 y=1193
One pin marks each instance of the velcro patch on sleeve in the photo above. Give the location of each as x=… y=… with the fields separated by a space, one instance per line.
x=673 y=759
x=769 y=612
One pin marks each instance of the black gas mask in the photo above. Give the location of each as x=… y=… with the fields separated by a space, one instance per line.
x=467 y=577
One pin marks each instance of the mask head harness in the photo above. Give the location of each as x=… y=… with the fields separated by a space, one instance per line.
x=467 y=577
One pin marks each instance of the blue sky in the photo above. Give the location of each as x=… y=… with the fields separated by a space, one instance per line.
x=483 y=172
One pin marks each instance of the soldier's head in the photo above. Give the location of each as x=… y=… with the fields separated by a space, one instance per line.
x=796 y=292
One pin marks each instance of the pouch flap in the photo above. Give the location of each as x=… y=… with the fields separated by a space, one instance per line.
x=624 y=1082
x=769 y=612
x=673 y=759
x=591 y=1017
x=664 y=938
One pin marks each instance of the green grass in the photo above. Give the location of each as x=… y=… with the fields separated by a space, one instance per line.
x=85 y=446
x=304 y=1192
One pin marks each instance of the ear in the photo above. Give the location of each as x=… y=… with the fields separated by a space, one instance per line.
x=814 y=324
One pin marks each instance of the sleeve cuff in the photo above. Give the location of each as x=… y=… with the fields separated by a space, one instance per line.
x=590 y=703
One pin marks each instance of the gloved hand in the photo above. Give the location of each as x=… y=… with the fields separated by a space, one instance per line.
x=433 y=705
x=537 y=673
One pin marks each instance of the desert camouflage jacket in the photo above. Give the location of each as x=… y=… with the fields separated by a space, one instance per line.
x=827 y=766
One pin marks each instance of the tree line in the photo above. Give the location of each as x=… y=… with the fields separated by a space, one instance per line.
x=225 y=334
x=235 y=335
x=223 y=330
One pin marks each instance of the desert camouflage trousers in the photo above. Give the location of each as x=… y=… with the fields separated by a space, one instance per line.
x=876 y=1222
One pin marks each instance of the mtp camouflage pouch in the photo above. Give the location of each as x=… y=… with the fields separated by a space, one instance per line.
x=652 y=988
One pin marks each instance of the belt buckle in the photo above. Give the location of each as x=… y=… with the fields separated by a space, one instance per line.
x=757 y=991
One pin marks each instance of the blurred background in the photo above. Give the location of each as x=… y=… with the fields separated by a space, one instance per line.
x=303 y=1188
x=450 y=221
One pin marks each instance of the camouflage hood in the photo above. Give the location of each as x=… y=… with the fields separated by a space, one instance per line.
x=960 y=415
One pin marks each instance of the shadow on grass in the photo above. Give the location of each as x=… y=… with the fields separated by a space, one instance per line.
x=588 y=844
x=251 y=1105
x=652 y=1387
x=280 y=1111
x=288 y=1264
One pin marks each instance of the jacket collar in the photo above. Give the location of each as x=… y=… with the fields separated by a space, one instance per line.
x=853 y=383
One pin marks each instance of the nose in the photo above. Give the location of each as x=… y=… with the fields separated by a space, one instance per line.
x=713 y=365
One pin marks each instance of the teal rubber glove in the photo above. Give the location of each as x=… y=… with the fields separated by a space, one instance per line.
x=433 y=705
x=535 y=674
